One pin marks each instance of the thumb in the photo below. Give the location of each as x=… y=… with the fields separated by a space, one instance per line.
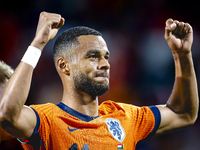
x=59 y=24
x=54 y=30
x=170 y=26
x=62 y=22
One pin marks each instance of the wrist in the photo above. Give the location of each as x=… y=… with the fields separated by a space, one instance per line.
x=181 y=53
x=32 y=56
x=38 y=44
x=183 y=63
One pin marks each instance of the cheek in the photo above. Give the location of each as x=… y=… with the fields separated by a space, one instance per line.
x=89 y=69
x=94 y=65
x=88 y=65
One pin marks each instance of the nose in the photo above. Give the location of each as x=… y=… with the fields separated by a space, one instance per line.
x=103 y=64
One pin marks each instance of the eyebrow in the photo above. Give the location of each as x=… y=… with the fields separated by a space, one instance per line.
x=96 y=52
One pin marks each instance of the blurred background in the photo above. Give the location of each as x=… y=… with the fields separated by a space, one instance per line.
x=142 y=67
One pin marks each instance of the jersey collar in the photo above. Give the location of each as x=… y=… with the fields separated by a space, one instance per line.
x=75 y=113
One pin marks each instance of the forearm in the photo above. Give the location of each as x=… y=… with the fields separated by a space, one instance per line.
x=16 y=92
x=15 y=118
x=184 y=97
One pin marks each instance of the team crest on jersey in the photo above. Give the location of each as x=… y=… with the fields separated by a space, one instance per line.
x=115 y=129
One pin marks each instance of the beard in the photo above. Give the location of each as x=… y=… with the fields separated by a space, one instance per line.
x=84 y=84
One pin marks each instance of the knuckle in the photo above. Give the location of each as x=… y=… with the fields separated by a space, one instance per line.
x=42 y=13
x=181 y=23
x=169 y=21
x=176 y=21
x=188 y=25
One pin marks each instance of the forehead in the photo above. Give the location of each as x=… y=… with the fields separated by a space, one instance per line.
x=91 y=42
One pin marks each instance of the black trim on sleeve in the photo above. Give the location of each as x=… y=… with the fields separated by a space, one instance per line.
x=38 y=122
x=157 y=116
x=34 y=140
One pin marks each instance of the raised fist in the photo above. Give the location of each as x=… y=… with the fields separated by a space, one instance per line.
x=48 y=26
x=179 y=35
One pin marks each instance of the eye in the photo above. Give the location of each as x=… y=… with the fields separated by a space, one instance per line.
x=92 y=56
x=106 y=57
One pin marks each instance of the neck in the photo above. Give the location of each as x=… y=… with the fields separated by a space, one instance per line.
x=81 y=102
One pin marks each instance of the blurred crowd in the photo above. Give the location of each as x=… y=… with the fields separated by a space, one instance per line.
x=142 y=67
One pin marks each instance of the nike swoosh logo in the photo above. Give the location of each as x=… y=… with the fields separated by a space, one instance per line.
x=71 y=130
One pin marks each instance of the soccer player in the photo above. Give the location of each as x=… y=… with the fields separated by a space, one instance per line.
x=5 y=74
x=77 y=122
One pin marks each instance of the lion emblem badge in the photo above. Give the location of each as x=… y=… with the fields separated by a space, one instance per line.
x=115 y=129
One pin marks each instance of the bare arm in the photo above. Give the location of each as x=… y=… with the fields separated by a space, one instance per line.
x=182 y=106
x=16 y=118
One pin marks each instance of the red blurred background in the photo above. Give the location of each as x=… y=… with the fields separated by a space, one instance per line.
x=142 y=67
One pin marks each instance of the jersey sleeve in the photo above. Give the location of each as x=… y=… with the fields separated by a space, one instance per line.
x=157 y=117
x=146 y=121
x=143 y=121
x=40 y=137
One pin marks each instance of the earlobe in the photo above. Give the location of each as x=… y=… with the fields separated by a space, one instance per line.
x=63 y=66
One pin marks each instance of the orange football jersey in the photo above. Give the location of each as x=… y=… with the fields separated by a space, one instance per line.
x=118 y=126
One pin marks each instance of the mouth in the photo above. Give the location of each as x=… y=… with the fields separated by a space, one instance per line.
x=101 y=74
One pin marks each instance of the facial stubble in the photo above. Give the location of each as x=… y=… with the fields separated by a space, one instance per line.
x=84 y=84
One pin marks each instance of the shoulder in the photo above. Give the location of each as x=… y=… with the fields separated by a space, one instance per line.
x=43 y=106
x=43 y=109
x=110 y=106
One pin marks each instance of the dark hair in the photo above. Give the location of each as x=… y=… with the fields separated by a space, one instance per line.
x=68 y=38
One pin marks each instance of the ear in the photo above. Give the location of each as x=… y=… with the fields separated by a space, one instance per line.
x=63 y=66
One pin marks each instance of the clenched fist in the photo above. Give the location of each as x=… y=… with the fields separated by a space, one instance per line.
x=179 y=35
x=48 y=26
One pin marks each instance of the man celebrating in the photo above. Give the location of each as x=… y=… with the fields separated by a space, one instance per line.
x=77 y=122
